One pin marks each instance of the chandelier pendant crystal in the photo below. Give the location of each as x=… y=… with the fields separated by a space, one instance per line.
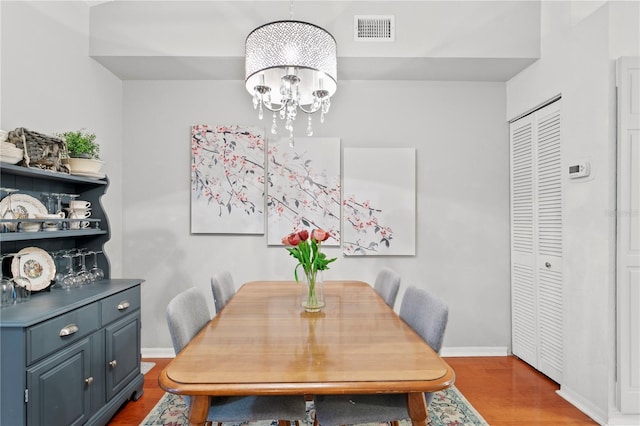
x=291 y=66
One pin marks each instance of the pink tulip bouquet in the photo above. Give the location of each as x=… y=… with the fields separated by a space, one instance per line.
x=309 y=256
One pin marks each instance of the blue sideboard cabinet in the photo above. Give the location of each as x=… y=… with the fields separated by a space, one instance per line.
x=68 y=357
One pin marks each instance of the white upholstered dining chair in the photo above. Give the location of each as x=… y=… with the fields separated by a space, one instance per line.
x=187 y=314
x=387 y=284
x=222 y=288
x=427 y=315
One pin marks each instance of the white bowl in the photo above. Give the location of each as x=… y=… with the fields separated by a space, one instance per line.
x=30 y=226
x=10 y=160
x=85 y=165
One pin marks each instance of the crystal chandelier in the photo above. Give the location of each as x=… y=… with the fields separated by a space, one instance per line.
x=290 y=66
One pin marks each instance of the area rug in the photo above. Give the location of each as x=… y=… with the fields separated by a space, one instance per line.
x=146 y=366
x=448 y=408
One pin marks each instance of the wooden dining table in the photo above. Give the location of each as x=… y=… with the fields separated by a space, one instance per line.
x=264 y=343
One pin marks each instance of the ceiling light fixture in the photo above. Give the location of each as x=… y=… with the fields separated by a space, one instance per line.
x=290 y=66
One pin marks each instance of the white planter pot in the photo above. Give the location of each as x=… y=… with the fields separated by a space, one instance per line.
x=85 y=165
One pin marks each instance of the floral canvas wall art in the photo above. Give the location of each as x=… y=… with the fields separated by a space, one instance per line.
x=379 y=204
x=227 y=179
x=303 y=187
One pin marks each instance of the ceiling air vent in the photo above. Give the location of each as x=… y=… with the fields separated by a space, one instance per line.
x=374 y=28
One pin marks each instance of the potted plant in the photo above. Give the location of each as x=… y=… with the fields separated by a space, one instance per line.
x=83 y=152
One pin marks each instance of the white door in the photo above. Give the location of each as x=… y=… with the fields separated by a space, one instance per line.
x=536 y=239
x=628 y=236
x=523 y=289
x=549 y=240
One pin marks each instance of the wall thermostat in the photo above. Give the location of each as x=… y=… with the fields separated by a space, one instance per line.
x=579 y=170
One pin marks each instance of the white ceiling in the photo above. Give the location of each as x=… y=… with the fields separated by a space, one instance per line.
x=435 y=40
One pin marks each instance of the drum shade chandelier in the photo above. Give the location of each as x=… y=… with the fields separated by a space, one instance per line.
x=290 y=66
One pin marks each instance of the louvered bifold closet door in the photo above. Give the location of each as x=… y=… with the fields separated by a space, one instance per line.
x=536 y=240
x=549 y=227
x=523 y=294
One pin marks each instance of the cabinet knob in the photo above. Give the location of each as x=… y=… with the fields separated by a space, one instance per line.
x=123 y=305
x=113 y=363
x=89 y=381
x=547 y=264
x=68 y=330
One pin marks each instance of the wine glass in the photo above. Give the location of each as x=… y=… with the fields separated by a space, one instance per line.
x=82 y=275
x=69 y=280
x=74 y=224
x=96 y=272
x=49 y=199
x=21 y=285
x=58 y=209
x=58 y=259
x=9 y=214
x=7 y=291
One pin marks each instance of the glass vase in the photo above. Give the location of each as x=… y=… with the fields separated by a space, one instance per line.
x=312 y=298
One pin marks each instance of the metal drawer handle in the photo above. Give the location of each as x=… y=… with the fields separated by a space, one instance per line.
x=69 y=330
x=123 y=305
x=89 y=381
x=113 y=363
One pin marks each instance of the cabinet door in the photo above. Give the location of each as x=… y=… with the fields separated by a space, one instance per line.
x=123 y=353
x=59 y=388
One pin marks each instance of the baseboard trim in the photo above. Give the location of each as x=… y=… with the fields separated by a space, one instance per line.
x=157 y=353
x=461 y=351
x=445 y=352
x=583 y=405
x=619 y=419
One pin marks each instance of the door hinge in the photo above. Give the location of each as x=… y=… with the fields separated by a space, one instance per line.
x=26 y=395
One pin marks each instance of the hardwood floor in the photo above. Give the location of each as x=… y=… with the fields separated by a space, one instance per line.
x=504 y=390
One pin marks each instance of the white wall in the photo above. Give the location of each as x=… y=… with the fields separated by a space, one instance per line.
x=576 y=63
x=51 y=85
x=460 y=134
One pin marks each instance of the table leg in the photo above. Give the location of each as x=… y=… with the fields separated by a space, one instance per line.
x=199 y=410
x=417 y=406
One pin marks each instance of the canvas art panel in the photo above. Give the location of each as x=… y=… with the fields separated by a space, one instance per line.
x=379 y=201
x=303 y=187
x=227 y=179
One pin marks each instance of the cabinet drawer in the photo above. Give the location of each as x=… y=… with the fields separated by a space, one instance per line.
x=120 y=304
x=51 y=335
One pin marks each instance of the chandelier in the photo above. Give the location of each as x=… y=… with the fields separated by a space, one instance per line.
x=290 y=66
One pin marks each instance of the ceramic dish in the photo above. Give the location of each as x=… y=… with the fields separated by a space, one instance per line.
x=35 y=264
x=24 y=206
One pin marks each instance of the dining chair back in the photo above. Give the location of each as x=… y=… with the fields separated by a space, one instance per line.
x=427 y=315
x=387 y=284
x=187 y=314
x=222 y=288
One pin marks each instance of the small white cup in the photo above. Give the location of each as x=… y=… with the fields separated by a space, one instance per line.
x=79 y=224
x=80 y=214
x=79 y=204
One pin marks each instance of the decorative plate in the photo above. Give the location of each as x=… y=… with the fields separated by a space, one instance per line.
x=36 y=265
x=24 y=206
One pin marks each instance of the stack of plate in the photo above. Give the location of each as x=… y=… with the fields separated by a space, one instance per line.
x=9 y=153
